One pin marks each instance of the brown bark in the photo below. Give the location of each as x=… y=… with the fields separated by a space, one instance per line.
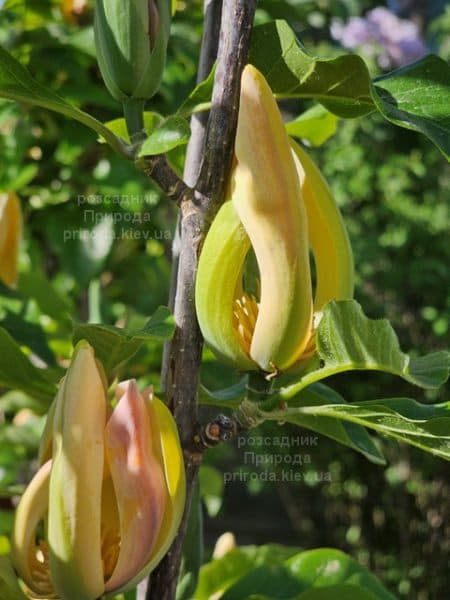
x=210 y=155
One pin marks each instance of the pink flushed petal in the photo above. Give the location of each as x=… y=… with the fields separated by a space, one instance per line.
x=122 y=388
x=139 y=484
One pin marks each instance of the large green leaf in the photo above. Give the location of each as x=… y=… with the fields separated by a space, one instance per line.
x=416 y=96
x=347 y=340
x=114 y=346
x=16 y=83
x=426 y=427
x=341 y=84
x=271 y=582
x=343 y=591
x=350 y=434
x=325 y=567
x=220 y=574
x=322 y=574
x=17 y=372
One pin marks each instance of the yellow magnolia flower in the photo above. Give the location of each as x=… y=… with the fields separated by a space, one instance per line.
x=10 y=234
x=280 y=208
x=107 y=501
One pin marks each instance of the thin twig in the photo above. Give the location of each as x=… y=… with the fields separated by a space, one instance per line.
x=208 y=55
x=158 y=168
x=237 y=20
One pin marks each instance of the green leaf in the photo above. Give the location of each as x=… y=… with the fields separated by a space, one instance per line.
x=322 y=574
x=220 y=574
x=114 y=346
x=229 y=397
x=119 y=126
x=200 y=97
x=28 y=334
x=349 y=434
x=17 y=372
x=35 y=285
x=316 y=125
x=211 y=489
x=17 y=84
x=426 y=427
x=325 y=567
x=347 y=340
x=270 y=581
x=341 y=84
x=172 y=132
x=417 y=97
x=342 y=591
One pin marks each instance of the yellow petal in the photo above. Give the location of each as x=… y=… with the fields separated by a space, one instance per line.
x=218 y=277
x=10 y=235
x=266 y=194
x=74 y=528
x=30 y=512
x=46 y=443
x=327 y=234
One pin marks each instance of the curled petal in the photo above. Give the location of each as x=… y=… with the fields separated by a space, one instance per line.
x=166 y=448
x=266 y=194
x=31 y=510
x=46 y=443
x=139 y=484
x=327 y=234
x=218 y=278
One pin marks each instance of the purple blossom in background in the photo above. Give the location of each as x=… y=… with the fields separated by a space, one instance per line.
x=393 y=41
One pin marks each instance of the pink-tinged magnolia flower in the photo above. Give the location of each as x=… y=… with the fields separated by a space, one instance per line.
x=110 y=492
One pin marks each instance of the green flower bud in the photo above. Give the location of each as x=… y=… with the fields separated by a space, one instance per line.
x=131 y=41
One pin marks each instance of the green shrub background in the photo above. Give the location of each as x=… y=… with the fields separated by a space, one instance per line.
x=393 y=187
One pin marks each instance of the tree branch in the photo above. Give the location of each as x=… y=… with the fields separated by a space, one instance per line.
x=157 y=168
x=237 y=20
x=185 y=352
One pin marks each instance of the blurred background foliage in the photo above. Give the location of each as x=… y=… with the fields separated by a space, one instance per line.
x=97 y=247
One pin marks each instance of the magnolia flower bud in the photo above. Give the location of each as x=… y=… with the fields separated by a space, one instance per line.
x=111 y=490
x=280 y=208
x=10 y=234
x=131 y=41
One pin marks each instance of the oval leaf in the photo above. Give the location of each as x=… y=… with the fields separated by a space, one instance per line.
x=173 y=132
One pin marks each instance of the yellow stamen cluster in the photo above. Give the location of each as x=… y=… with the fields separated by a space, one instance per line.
x=110 y=549
x=245 y=313
x=39 y=566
